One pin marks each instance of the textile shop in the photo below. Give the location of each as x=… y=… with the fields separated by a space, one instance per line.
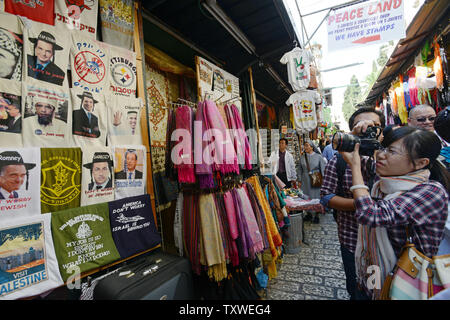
x=90 y=98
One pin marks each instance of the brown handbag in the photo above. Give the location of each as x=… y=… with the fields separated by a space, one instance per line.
x=315 y=177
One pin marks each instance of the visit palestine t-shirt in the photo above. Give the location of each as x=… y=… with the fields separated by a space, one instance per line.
x=28 y=264
x=60 y=178
x=304 y=108
x=298 y=71
x=133 y=225
x=83 y=240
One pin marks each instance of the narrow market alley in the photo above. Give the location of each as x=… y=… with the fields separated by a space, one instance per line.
x=314 y=273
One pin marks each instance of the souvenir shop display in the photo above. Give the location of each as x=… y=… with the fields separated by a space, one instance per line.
x=97 y=176
x=123 y=77
x=304 y=109
x=10 y=113
x=11 y=42
x=129 y=170
x=77 y=15
x=28 y=263
x=19 y=182
x=124 y=116
x=117 y=22
x=42 y=11
x=298 y=67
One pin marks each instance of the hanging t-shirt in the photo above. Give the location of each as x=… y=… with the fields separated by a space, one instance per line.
x=117 y=21
x=61 y=178
x=19 y=190
x=89 y=118
x=97 y=176
x=40 y=11
x=124 y=125
x=46 y=53
x=298 y=71
x=133 y=225
x=304 y=109
x=11 y=44
x=83 y=240
x=122 y=65
x=77 y=15
x=89 y=61
x=28 y=264
x=10 y=113
x=130 y=167
x=47 y=112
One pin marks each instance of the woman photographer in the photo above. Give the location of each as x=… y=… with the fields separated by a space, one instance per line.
x=412 y=190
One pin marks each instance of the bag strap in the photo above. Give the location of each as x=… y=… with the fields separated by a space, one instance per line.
x=307 y=162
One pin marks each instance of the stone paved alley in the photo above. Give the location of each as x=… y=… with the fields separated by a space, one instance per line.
x=314 y=273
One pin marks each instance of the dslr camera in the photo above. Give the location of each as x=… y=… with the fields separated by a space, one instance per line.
x=368 y=142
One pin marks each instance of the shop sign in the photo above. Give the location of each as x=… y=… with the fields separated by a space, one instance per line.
x=365 y=24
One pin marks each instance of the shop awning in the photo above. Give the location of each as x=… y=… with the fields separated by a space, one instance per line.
x=183 y=29
x=431 y=16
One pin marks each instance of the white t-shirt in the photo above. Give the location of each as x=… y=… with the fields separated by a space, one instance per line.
x=298 y=71
x=304 y=109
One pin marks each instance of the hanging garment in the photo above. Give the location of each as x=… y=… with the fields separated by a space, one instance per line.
x=178 y=225
x=203 y=162
x=212 y=254
x=46 y=68
x=130 y=170
x=29 y=264
x=170 y=171
x=191 y=230
x=133 y=225
x=117 y=21
x=124 y=125
x=244 y=241
x=83 y=239
x=298 y=67
x=304 y=109
x=89 y=62
x=412 y=86
x=437 y=67
x=406 y=93
x=43 y=11
x=11 y=40
x=123 y=77
x=229 y=221
x=77 y=15
x=11 y=115
x=97 y=175
x=250 y=220
x=23 y=199
x=225 y=235
x=47 y=112
x=402 y=112
x=183 y=150
x=259 y=213
x=60 y=179
x=89 y=118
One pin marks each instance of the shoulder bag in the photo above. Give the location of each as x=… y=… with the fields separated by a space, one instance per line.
x=316 y=176
x=415 y=276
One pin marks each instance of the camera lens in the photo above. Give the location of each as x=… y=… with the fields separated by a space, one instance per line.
x=344 y=142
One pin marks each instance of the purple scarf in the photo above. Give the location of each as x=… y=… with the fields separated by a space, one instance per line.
x=244 y=240
x=203 y=169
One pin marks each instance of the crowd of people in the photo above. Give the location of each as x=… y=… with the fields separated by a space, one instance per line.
x=401 y=191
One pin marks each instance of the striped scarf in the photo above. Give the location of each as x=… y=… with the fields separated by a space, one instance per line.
x=191 y=230
x=373 y=247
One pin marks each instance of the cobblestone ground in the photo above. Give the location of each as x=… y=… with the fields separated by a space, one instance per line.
x=316 y=272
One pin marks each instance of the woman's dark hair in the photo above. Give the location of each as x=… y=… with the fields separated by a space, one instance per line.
x=351 y=121
x=420 y=143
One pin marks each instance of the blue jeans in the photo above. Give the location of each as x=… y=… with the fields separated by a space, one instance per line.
x=348 y=258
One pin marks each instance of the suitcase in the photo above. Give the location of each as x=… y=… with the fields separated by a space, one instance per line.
x=158 y=276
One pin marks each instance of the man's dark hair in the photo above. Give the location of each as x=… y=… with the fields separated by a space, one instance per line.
x=442 y=124
x=285 y=140
x=351 y=121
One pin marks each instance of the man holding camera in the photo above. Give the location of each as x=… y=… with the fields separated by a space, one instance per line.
x=335 y=193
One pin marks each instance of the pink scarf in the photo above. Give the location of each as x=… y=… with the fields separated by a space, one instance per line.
x=250 y=221
x=225 y=159
x=203 y=169
x=241 y=142
x=231 y=215
x=184 y=120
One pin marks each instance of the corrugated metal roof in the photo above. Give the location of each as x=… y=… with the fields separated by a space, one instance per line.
x=425 y=23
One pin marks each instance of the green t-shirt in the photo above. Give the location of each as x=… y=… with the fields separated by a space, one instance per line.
x=83 y=239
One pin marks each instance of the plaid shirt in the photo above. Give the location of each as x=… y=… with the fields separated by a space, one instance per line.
x=424 y=207
x=346 y=220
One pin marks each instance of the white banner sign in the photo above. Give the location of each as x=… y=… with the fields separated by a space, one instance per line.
x=365 y=24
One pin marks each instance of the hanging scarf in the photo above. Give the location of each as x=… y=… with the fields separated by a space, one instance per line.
x=212 y=254
x=259 y=213
x=252 y=225
x=230 y=247
x=225 y=157
x=191 y=230
x=178 y=225
x=373 y=246
x=184 y=118
x=170 y=170
x=231 y=214
x=234 y=135
x=203 y=169
x=244 y=240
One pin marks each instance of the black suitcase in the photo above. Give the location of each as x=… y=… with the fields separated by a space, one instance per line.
x=158 y=276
